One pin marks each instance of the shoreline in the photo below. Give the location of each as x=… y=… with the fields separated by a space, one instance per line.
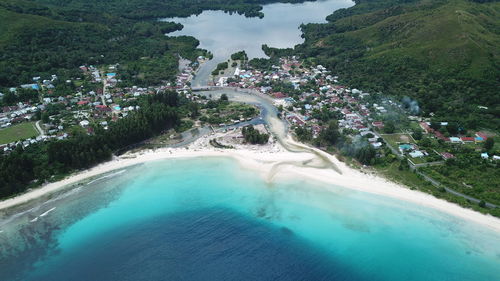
x=281 y=164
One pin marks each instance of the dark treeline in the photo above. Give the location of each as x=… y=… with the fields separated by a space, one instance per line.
x=44 y=37
x=40 y=41
x=21 y=95
x=254 y=136
x=148 y=9
x=241 y=55
x=220 y=68
x=34 y=165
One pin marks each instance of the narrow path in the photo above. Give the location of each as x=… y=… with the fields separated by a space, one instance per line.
x=452 y=191
x=39 y=128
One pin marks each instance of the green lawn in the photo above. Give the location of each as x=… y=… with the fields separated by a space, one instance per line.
x=418 y=160
x=395 y=139
x=18 y=132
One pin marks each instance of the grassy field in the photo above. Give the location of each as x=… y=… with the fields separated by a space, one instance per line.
x=418 y=160
x=480 y=181
x=395 y=139
x=18 y=132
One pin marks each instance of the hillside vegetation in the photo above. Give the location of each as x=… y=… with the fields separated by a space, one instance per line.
x=43 y=37
x=443 y=53
x=38 y=41
x=147 y=9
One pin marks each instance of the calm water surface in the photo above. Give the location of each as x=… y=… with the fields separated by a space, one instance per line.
x=209 y=219
x=224 y=34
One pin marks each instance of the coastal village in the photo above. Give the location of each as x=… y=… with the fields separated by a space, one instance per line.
x=307 y=96
x=314 y=91
x=92 y=99
x=302 y=93
x=249 y=140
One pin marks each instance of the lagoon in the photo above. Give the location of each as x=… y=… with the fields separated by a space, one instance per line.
x=224 y=34
x=210 y=218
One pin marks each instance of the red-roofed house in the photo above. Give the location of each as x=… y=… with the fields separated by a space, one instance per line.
x=296 y=120
x=440 y=136
x=101 y=107
x=378 y=124
x=426 y=127
x=482 y=135
x=467 y=139
x=447 y=155
x=279 y=95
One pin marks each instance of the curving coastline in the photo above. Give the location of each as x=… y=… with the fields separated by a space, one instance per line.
x=272 y=163
x=283 y=159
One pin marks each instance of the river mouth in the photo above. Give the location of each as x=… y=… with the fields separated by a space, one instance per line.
x=224 y=34
x=278 y=127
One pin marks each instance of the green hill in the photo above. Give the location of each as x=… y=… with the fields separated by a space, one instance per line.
x=147 y=9
x=443 y=53
x=43 y=37
x=39 y=41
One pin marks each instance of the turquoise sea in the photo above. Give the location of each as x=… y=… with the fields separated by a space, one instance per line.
x=210 y=219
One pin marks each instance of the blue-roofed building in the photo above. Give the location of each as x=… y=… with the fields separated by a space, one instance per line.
x=31 y=86
x=405 y=147
x=417 y=154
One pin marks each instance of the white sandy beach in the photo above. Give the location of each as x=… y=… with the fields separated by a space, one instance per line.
x=262 y=159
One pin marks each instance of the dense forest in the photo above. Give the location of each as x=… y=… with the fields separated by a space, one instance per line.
x=44 y=37
x=442 y=53
x=147 y=9
x=36 y=164
x=33 y=45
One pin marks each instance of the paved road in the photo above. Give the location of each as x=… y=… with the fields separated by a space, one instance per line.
x=104 y=87
x=39 y=128
x=454 y=192
x=426 y=164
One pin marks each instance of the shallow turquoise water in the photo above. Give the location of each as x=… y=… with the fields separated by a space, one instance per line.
x=208 y=219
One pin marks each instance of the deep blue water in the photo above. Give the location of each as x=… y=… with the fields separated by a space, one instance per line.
x=208 y=244
x=210 y=219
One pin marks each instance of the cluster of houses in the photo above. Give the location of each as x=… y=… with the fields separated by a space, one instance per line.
x=355 y=114
x=83 y=107
x=103 y=102
x=314 y=90
x=355 y=110
x=479 y=137
x=413 y=150
x=12 y=115
x=25 y=143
